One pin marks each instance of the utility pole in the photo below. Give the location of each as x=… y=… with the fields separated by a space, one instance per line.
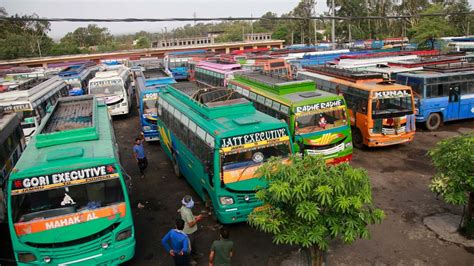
x=292 y=36
x=315 y=30
x=350 y=33
x=333 y=30
x=302 y=35
x=315 y=34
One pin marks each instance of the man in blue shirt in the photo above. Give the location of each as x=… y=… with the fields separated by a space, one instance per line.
x=139 y=153
x=180 y=247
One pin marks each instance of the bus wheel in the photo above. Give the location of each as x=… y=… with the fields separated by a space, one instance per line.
x=357 y=139
x=433 y=121
x=176 y=170
x=209 y=206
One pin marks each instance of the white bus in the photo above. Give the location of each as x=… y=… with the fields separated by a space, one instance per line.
x=30 y=99
x=114 y=85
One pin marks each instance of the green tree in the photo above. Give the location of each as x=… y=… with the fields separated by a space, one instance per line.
x=85 y=37
x=431 y=28
x=24 y=38
x=308 y=203
x=453 y=159
x=143 y=42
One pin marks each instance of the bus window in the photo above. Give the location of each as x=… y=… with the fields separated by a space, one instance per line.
x=55 y=202
x=383 y=107
x=317 y=122
x=242 y=165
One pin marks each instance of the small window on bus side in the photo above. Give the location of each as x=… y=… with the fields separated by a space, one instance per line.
x=467 y=88
x=201 y=133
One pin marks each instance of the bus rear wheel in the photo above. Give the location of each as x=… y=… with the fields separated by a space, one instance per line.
x=357 y=138
x=433 y=122
x=176 y=170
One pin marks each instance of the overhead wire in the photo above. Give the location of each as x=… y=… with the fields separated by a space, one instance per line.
x=18 y=18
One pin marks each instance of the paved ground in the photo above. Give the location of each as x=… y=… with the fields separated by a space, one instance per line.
x=400 y=177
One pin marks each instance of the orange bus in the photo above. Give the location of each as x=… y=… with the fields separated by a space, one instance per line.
x=382 y=113
x=274 y=66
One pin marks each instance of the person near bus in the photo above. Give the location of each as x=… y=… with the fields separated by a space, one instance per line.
x=139 y=153
x=190 y=226
x=177 y=244
x=222 y=250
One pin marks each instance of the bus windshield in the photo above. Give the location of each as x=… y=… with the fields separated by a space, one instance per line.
x=111 y=87
x=310 y=122
x=390 y=105
x=243 y=164
x=66 y=200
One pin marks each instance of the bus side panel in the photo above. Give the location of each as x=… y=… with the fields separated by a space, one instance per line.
x=434 y=105
x=467 y=106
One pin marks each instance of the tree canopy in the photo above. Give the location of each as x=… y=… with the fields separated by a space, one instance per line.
x=453 y=159
x=308 y=203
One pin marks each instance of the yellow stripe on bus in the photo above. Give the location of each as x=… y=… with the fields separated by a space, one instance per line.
x=255 y=144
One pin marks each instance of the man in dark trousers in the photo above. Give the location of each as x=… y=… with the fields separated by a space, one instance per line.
x=180 y=245
x=139 y=153
x=222 y=250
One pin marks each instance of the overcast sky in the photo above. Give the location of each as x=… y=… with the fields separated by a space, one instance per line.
x=142 y=9
x=145 y=9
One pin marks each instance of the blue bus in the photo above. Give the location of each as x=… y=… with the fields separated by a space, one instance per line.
x=176 y=63
x=147 y=97
x=78 y=76
x=443 y=93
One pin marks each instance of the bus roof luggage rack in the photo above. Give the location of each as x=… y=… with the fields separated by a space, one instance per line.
x=71 y=120
x=154 y=73
x=346 y=74
x=266 y=78
x=449 y=68
x=218 y=97
x=71 y=114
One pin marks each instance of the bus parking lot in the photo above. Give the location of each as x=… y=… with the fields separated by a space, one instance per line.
x=400 y=176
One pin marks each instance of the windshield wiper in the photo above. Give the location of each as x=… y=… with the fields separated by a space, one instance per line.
x=243 y=171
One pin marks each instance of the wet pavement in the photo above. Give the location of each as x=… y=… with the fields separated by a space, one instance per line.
x=400 y=176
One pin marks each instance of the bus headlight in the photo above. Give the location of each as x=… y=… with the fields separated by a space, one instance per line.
x=124 y=104
x=226 y=200
x=349 y=144
x=146 y=128
x=47 y=259
x=26 y=257
x=124 y=234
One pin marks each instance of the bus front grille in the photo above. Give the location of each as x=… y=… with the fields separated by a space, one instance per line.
x=246 y=198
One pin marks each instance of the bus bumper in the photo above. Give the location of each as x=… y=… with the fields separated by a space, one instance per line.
x=151 y=136
x=113 y=255
x=338 y=160
x=235 y=215
x=387 y=140
x=420 y=119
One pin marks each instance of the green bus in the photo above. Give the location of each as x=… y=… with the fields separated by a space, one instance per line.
x=67 y=198
x=217 y=140
x=318 y=120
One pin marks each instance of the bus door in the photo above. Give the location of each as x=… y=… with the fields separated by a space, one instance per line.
x=453 y=101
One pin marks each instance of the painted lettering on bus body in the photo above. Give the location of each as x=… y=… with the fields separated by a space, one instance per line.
x=151 y=96
x=16 y=107
x=253 y=137
x=70 y=221
x=39 y=182
x=391 y=94
x=319 y=106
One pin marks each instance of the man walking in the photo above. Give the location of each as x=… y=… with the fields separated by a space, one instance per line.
x=180 y=246
x=190 y=226
x=139 y=153
x=221 y=250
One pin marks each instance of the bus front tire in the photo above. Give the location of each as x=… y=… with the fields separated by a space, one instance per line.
x=357 y=138
x=210 y=207
x=433 y=122
x=176 y=170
